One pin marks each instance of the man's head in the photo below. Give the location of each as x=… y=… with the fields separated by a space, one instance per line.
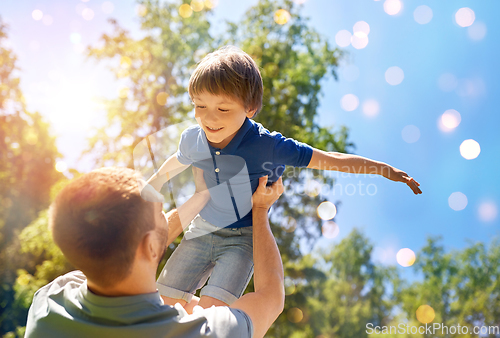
x=225 y=87
x=99 y=220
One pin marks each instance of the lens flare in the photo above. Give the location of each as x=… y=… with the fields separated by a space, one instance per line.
x=326 y=210
x=343 y=38
x=425 y=314
x=405 y=257
x=330 y=229
x=295 y=315
x=449 y=120
x=371 y=108
x=465 y=17
x=457 y=201
x=470 y=149
x=394 y=75
x=392 y=7
x=422 y=14
x=61 y=166
x=281 y=16
x=349 y=102
x=487 y=211
x=410 y=134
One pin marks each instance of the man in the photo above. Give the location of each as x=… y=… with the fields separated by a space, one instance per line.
x=117 y=238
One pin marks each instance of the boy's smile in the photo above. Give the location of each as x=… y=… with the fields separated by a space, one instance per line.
x=220 y=117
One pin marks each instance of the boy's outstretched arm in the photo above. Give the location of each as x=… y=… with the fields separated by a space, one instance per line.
x=355 y=164
x=170 y=168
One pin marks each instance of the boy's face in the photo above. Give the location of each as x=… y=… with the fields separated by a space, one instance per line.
x=220 y=117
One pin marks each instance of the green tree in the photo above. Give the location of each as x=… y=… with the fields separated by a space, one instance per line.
x=27 y=158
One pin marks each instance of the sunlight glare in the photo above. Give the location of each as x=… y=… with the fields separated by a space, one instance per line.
x=61 y=166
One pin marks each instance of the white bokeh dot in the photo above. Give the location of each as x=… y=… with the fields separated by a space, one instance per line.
x=343 y=38
x=470 y=149
x=422 y=14
x=394 y=75
x=477 y=31
x=405 y=257
x=392 y=7
x=449 y=120
x=330 y=229
x=361 y=29
x=371 y=108
x=457 y=201
x=349 y=102
x=487 y=211
x=359 y=42
x=465 y=17
x=410 y=134
x=326 y=210
x=37 y=14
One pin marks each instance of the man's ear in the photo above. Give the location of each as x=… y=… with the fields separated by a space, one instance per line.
x=148 y=248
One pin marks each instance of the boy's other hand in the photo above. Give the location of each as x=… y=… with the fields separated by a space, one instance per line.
x=400 y=176
x=199 y=180
x=265 y=196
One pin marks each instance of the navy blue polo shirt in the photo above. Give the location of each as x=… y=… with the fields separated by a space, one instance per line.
x=232 y=173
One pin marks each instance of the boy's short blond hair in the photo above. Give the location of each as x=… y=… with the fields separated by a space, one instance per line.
x=230 y=72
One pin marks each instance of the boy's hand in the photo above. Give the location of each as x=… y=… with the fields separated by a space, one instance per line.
x=265 y=196
x=400 y=176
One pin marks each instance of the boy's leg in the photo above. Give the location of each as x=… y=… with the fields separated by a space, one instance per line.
x=233 y=267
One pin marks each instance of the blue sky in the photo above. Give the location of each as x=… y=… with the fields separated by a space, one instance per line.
x=444 y=68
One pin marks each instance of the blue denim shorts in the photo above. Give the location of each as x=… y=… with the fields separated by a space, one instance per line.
x=223 y=254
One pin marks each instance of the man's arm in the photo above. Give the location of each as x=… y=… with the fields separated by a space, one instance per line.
x=178 y=219
x=265 y=304
x=355 y=164
x=170 y=168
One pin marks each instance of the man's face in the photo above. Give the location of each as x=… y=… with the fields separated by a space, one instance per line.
x=220 y=117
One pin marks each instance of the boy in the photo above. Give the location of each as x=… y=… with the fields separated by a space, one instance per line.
x=234 y=151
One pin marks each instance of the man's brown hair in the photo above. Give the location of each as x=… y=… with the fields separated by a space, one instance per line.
x=98 y=221
x=231 y=72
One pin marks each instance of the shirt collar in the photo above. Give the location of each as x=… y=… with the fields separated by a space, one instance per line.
x=236 y=141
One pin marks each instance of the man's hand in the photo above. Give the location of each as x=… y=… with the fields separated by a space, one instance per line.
x=265 y=196
x=148 y=192
x=400 y=176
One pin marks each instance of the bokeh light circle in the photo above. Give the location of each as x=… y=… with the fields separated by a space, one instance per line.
x=141 y=10
x=88 y=14
x=371 y=108
x=457 y=201
x=470 y=149
x=449 y=120
x=359 y=42
x=127 y=140
x=161 y=98
x=330 y=229
x=107 y=7
x=465 y=17
x=425 y=314
x=289 y=286
x=405 y=257
x=326 y=210
x=197 y=5
x=295 y=315
x=487 y=211
x=185 y=11
x=361 y=29
x=410 y=134
x=37 y=14
x=61 y=166
x=343 y=38
x=422 y=14
x=392 y=7
x=477 y=31
x=447 y=82
x=282 y=16
x=289 y=224
x=394 y=75
x=349 y=102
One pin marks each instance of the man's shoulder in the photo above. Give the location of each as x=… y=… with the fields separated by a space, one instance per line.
x=263 y=134
x=224 y=321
